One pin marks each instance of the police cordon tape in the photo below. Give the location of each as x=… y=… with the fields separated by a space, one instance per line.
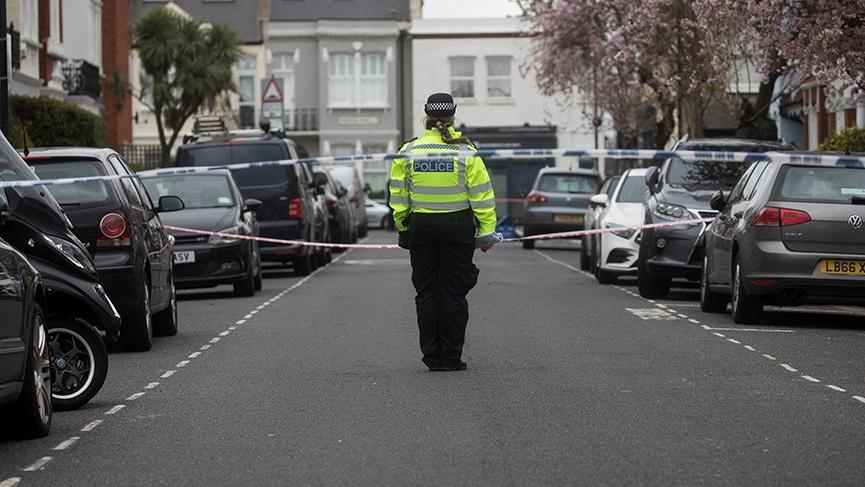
x=645 y=154
x=547 y=236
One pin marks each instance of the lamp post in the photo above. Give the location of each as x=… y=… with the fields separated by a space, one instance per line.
x=4 y=73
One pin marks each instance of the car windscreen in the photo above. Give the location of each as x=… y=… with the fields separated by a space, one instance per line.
x=212 y=191
x=89 y=194
x=225 y=154
x=568 y=183
x=632 y=190
x=821 y=184
x=706 y=175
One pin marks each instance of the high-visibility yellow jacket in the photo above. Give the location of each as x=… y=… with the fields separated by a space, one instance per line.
x=441 y=185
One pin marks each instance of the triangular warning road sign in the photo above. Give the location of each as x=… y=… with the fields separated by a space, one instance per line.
x=271 y=92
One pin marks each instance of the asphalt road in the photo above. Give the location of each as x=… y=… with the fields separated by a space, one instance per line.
x=318 y=381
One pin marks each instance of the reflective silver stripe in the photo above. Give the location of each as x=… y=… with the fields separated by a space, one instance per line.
x=481 y=188
x=438 y=190
x=408 y=167
x=461 y=172
x=400 y=199
x=491 y=203
x=396 y=183
x=459 y=205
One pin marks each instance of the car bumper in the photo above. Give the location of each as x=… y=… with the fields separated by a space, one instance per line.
x=281 y=253
x=619 y=255
x=214 y=264
x=116 y=281
x=680 y=254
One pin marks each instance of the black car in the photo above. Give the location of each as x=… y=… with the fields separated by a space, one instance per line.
x=289 y=208
x=338 y=208
x=212 y=202
x=25 y=370
x=121 y=228
x=681 y=190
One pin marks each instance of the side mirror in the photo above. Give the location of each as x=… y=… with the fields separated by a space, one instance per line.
x=718 y=201
x=4 y=209
x=252 y=205
x=342 y=192
x=170 y=203
x=319 y=179
x=652 y=177
x=367 y=188
x=599 y=199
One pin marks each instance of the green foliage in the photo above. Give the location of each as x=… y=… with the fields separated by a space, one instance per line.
x=53 y=123
x=850 y=139
x=188 y=66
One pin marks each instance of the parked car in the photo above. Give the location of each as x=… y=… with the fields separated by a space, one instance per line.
x=289 y=205
x=587 y=252
x=338 y=208
x=121 y=228
x=558 y=202
x=77 y=309
x=616 y=252
x=376 y=213
x=25 y=361
x=350 y=179
x=212 y=202
x=681 y=190
x=788 y=233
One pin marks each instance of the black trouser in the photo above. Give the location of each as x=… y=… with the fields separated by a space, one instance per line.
x=442 y=247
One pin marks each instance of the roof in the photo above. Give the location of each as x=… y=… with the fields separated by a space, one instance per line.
x=240 y=15
x=735 y=145
x=559 y=170
x=483 y=27
x=156 y=173
x=281 y=10
x=91 y=152
x=637 y=171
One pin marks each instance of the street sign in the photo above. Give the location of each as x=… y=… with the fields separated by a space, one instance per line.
x=271 y=110
x=272 y=91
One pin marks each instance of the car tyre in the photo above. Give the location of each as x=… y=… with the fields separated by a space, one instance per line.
x=303 y=265
x=136 y=330
x=606 y=277
x=710 y=301
x=651 y=287
x=328 y=256
x=80 y=347
x=246 y=286
x=746 y=309
x=31 y=414
x=165 y=322
x=259 y=278
x=585 y=260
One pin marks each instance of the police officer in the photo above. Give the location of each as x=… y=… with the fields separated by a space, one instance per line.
x=443 y=208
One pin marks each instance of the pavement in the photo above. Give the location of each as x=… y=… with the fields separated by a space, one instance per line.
x=318 y=381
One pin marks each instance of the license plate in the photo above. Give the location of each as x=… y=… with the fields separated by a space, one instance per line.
x=568 y=218
x=843 y=267
x=185 y=257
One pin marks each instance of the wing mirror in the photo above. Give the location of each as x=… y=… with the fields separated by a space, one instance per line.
x=718 y=201
x=170 y=203
x=599 y=199
x=252 y=205
x=652 y=178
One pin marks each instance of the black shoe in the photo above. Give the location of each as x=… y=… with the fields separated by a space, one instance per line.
x=453 y=365
x=435 y=365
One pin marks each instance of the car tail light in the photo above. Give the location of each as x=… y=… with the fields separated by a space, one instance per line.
x=295 y=209
x=537 y=198
x=113 y=231
x=780 y=217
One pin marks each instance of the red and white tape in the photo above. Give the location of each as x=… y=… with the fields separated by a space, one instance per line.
x=548 y=236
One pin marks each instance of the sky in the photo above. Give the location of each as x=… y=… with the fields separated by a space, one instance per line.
x=469 y=8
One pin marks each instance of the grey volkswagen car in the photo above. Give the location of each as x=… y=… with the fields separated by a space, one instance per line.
x=788 y=233
x=558 y=202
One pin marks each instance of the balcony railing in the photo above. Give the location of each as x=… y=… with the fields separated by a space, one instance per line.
x=81 y=78
x=300 y=120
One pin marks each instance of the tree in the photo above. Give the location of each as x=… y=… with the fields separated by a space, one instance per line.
x=188 y=66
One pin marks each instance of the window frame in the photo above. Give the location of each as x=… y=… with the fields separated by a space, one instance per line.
x=500 y=77
x=472 y=78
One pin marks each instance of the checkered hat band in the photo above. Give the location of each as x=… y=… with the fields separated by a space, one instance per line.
x=440 y=107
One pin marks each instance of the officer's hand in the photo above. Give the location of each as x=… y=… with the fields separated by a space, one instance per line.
x=486 y=242
x=403 y=240
x=486 y=246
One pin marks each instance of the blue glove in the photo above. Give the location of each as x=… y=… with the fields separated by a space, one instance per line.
x=486 y=242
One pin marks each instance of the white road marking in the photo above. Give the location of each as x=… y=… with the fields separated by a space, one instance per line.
x=194 y=354
x=769 y=356
x=10 y=482
x=253 y=312
x=247 y=317
x=765 y=330
x=204 y=347
x=240 y=322
x=232 y=328
x=91 y=425
x=749 y=347
x=167 y=374
x=692 y=320
x=680 y=315
x=115 y=409
x=810 y=379
x=650 y=314
x=719 y=335
x=135 y=396
x=836 y=388
x=683 y=305
x=214 y=339
x=554 y=261
x=260 y=307
x=67 y=443
x=859 y=398
x=791 y=369
x=225 y=333
x=182 y=363
x=731 y=340
x=152 y=385
x=38 y=464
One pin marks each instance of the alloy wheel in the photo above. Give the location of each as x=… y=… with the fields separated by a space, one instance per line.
x=42 y=370
x=72 y=363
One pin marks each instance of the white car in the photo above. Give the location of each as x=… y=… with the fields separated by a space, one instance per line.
x=617 y=251
x=376 y=214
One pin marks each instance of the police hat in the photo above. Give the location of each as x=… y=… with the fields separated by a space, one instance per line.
x=440 y=105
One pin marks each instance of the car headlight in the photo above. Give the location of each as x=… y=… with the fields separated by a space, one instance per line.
x=219 y=240
x=624 y=232
x=670 y=211
x=72 y=252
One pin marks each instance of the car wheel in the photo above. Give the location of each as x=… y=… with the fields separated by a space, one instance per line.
x=245 y=287
x=136 y=330
x=303 y=265
x=585 y=261
x=606 y=277
x=79 y=363
x=746 y=309
x=651 y=287
x=31 y=413
x=363 y=231
x=528 y=244
x=710 y=301
x=165 y=322
x=328 y=256
x=259 y=284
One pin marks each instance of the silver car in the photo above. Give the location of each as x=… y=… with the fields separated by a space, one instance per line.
x=587 y=251
x=788 y=233
x=376 y=214
x=558 y=202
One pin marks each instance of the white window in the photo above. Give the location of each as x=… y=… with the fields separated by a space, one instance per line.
x=463 y=77
x=499 y=77
x=357 y=80
x=342 y=149
x=246 y=91
x=373 y=80
x=283 y=68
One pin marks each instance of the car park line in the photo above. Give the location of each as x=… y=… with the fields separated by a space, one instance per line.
x=116 y=409
x=67 y=443
x=91 y=425
x=135 y=396
x=37 y=465
x=10 y=482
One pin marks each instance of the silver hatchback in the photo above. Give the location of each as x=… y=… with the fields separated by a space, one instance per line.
x=788 y=233
x=558 y=202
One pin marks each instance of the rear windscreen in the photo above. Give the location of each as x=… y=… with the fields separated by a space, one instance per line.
x=821 y=184
x=224 y=154
x=704 y=175
x=195 y=191
x=76 y=194
x=568 y=183
x=633 y=189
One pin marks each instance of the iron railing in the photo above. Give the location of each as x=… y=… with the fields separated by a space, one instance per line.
x=81 y=78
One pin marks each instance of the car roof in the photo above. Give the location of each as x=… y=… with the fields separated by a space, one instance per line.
x=156 y=173
x=561 y=170
x=637 y=171
x=735 y=145
x=92 y=152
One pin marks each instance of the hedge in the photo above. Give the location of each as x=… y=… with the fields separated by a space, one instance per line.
x=53 y=123
x=850 y=139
